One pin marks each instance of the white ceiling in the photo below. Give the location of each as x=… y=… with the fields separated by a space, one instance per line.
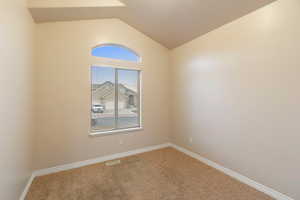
x=169 y=22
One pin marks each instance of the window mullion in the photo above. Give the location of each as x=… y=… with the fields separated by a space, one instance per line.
x=139 y=98
x=116 y=98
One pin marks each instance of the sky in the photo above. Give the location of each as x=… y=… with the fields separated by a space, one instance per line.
x=101 y=74
x=115 y=52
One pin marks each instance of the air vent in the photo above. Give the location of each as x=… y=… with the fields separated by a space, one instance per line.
x=113 y=162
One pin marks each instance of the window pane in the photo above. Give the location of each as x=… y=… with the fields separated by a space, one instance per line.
x=128 y=98
x=103 y=98
x=115 y=52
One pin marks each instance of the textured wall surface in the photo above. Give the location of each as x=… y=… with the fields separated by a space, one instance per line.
x=16 y=104
x=63 y=91
x=236 y=96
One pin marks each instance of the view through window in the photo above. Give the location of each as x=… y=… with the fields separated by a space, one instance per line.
x=115 y=94
x=113 y=51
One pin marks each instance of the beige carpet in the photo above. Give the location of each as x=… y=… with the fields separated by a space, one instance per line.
x=164 y=174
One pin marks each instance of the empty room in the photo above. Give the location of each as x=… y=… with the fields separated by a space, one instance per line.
x=150 y=100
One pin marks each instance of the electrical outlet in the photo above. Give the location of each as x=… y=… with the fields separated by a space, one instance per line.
x=121 y=142
x=190 y=140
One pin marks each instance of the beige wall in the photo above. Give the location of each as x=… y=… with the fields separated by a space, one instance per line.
x=63 y=91
x=236 y=93
x=16 y=76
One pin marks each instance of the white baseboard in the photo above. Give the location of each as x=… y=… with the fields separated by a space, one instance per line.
x=23 y=195
x=88 y=162
x=74 y=165
x=267 y=190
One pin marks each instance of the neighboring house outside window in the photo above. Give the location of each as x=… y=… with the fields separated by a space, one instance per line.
x=115 y=90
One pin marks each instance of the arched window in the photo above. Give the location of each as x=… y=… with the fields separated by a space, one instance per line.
x=115 y=90
x=114 y=51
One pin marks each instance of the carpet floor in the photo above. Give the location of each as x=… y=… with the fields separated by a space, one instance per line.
x=164 y=174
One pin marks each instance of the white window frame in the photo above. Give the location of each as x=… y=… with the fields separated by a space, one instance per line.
x=117 y=64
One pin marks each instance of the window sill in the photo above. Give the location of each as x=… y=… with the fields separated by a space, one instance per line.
x=118 y=131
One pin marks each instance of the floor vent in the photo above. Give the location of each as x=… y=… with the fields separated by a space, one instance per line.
x=113 y=162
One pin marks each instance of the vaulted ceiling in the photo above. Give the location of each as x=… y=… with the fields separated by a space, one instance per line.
x=169 y=22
